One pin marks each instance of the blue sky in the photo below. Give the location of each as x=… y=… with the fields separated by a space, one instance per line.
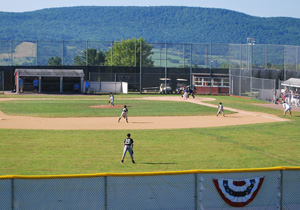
x=261 y=8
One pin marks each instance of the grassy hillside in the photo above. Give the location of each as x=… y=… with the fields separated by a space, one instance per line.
x=155 y=24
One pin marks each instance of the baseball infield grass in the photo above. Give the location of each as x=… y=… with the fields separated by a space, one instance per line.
x=45 y=152
x=81 y=108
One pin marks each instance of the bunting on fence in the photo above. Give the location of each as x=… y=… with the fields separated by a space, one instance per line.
x=238 y=193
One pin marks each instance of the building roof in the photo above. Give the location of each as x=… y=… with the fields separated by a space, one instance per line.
x=292 y=82
x=50 y=72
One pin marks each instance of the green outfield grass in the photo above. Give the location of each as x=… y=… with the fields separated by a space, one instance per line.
x=44 y=152
x=81 y=108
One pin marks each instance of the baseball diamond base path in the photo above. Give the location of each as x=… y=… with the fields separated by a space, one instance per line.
x=111 y=123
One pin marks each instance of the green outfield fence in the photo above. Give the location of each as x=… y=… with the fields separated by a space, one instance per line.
x=264 y=188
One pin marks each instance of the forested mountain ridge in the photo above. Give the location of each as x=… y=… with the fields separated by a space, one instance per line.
x=156 y=24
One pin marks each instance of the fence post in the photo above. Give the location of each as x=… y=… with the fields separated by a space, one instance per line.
x=12 y=194
x=200 y=192
x=134 y=53
x=141 y=59
x=210 y=66
x=279 y=194
x=284 y=65
x=297 y=59
x=87 y=54
x=183 y=55
x=191 y=67
x=241 y=66
x=266 y=66
x=63 y=52
x=105 y=192
x=262 y=87
x=206 y=56
x=159 y=54
x=11 y=52
x=229 y=67
x=196 y=191
x=275 y=92
x=2 y=81
x=111 y=54
x=37 y=52
x=166 y=66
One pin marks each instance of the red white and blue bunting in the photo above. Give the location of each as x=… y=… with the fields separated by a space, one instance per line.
x=238 y=193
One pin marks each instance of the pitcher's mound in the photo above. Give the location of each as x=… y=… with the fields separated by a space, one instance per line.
x=107 y=106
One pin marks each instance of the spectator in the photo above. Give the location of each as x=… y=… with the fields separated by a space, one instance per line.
x=21 y=84
x=87 y=86
x=76 y=88
x=35 y=85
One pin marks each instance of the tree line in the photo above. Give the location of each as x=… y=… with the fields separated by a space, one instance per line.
x=123 y=53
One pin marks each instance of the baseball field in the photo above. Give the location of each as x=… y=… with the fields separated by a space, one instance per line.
x=80 y=134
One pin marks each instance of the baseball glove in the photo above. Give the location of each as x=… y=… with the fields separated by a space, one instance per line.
x=132 y=151
x=108 y=101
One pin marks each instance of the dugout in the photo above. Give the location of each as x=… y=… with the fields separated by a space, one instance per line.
x=50 y=80
x=211 y=84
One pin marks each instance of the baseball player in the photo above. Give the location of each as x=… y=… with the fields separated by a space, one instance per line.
x=128 y=145
x=124 y=113
x=221 y=109
x=185 y=93
x=191 y=92
x=111 y=99
x=287 y=108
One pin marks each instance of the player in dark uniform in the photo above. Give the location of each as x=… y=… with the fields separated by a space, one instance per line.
x=128 y=145
x=190 y=92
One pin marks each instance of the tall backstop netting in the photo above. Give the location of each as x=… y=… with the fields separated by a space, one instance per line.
x=256 y=70
x=252 y=189
x=253 y=70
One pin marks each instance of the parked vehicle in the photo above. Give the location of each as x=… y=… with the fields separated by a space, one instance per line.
x=165 y=86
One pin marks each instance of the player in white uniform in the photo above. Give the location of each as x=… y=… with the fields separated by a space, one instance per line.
x=124 y=113
x=185 y=93
x=287 y=108
x=128 y=145
x=221 y=109
x=111 y=99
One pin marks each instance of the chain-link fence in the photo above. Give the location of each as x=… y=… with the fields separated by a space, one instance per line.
x=167 y=66
x=274 y=188
x=262 y=89
x=194 y=55
x=42 y=53
x=256 y=69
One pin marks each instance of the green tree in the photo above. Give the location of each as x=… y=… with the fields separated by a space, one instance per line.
x=91 y=58
x=55 y=61
x=127 y=53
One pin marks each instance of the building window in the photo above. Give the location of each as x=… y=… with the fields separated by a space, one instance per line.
x=216 y=82
x=225 y=82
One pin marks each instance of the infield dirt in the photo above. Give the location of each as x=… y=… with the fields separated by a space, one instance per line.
x=111 y=123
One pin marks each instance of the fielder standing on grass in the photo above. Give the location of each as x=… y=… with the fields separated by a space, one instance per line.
x=124 y=113
x=128 y=145
x=221 y=109
x=287 y=108
x=111 y=99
